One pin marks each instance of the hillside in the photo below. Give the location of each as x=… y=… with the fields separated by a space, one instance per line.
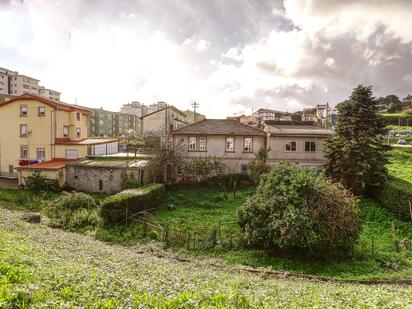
x=40 y=266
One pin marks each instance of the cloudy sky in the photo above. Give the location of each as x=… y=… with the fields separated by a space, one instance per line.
x=231 y=56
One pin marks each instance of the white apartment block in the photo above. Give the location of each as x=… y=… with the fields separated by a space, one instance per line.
x=134 y=108
x=13 y=83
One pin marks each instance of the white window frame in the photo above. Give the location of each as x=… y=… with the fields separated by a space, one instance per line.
x=78 y=116
x=24 y=148
x=290 y=143
x=202 y=143
x=78 y=133
x=251 y=144
x=310 y=146
x=65 y=129
x=39 y=113
x=24 y=110
x=192 y=143
x=230 y=149
x=42 y=151
x=23 y=134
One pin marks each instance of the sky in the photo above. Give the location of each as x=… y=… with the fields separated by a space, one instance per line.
x=230 y=56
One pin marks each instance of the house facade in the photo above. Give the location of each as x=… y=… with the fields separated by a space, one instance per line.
x=35 y=130
x=228 y=140
x=161 y=122
x=236 y=144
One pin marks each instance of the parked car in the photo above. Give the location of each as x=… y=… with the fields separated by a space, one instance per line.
x=401 y=142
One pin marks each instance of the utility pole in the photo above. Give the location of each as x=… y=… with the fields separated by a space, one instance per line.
x=195 y=105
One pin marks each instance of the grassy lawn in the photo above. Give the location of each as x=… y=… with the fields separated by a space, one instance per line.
x=399 y=128
x=400 y=164
x=42 y=267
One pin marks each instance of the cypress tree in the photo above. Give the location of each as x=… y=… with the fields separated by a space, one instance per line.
x=355 y=153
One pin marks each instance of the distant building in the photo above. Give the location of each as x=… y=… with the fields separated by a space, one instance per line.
x=134 y=108
x=49 y=94
x=104 y=123
x=191 y=118
x=161 y=122
x=264 y=114
x=13 y=83
x=156 y=106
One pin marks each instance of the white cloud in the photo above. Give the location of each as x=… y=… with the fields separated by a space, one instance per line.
x=202 y=45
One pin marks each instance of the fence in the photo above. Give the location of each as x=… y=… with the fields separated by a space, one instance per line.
x=222 y=235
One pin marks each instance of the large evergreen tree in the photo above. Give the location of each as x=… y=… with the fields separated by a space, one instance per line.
x=355 y=153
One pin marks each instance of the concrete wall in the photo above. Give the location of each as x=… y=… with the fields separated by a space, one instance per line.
x=59 y=175
x=88 y=178
x=278 y=151
x=216 y=146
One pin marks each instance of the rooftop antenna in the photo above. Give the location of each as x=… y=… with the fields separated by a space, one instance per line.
x=195 y=105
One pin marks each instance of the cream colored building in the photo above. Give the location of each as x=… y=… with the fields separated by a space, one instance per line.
x=163 y=121
x=34 y=129
x=49 y=94
x=236 y=144
x=229 y=140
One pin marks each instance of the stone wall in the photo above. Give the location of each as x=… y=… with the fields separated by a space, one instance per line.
x=103 y=179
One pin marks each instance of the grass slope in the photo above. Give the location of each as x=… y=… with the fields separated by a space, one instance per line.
x=43 y=267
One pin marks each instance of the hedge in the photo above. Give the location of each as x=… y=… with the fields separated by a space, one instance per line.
x=395 y=119
x=395 y=195
x=117 y=208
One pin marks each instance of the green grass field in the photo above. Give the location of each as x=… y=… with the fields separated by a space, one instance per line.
x=400 y=164
x=41 y=267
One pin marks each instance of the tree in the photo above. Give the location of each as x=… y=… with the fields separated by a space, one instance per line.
x=295 y=208
x=257 y=167
x=355 y=153
x=407 y=102
x=201 y=169
x=390 y=104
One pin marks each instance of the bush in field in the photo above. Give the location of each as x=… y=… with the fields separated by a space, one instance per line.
x=119 y=207
x=294 y=208
x=200 y=169
x=74 y=210
x=39 y=183
x=257 y=167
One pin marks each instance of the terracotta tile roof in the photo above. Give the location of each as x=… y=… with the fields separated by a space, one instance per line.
x=58 y=105
x=218 y=127
x=54 y=164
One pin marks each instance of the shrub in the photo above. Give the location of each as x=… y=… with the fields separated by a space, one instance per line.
x=73 y=201
x=117 y=208
x=395 y=195
x=39 y=183
x=294 y=208
x=84 y=219
x=257 y=167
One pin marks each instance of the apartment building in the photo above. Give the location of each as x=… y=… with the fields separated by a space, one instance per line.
x=41 y=134
x=13 y=83
x=49 y=93
x=156 y=106
x=264 y=114
x=105 y=123
x=161 y=122
x=236 y=144
x=134 y=108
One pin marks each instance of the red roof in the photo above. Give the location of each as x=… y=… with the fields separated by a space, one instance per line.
x=54 y=164
x=58 y=105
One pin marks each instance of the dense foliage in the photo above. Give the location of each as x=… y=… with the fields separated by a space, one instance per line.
x=74 y=211
x=257 y=167
x=38 y=182
x=119 y=207
x=295 y=208
x=200 y=169
x=355 y=153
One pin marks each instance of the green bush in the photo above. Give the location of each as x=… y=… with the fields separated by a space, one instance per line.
x=40 y=183
x=294 y=208
x=73 y=201
x=117 y=208
x=84 y=219
x=395 y=195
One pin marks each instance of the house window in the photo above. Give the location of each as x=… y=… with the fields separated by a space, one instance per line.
x=78 y=133
x=41 y=111
x=247 y=144
x=65 y=131
x=192 y=143
x=23 y=130
x=41 y=153
x=202 y=144
x=100 y=185
x=310 y=146
x=244 y=169
x=221 y=169
x=24 y=151
x=78 y=116
x=230 y=144
x=23 y=110
x=290 y=146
